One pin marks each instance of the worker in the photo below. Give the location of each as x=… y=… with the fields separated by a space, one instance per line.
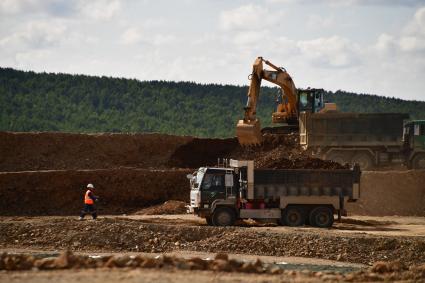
x=89 y=200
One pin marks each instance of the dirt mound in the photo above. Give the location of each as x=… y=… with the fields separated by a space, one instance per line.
x=283 y=152
x=391 y=193
x=168 y=207
x=54 y=151
x=201 y=152
x=61 y=192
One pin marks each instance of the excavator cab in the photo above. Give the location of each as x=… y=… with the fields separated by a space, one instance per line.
x=310 y=100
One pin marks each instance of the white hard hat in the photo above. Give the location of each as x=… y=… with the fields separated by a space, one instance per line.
x=90 y=186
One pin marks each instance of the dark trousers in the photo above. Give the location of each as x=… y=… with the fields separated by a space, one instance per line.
x=89 y=209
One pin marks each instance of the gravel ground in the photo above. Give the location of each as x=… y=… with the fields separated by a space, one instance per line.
x=12 y=266
x=125 y=235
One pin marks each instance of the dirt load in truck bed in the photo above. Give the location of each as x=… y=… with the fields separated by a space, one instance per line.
x=283 y=152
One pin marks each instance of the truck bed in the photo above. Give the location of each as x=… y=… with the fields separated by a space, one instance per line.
x=351 y=129
x=275 y=183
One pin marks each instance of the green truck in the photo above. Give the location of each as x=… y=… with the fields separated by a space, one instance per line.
x=371 y=140
x=293 y=197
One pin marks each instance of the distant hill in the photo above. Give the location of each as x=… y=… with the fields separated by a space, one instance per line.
x=77 y=103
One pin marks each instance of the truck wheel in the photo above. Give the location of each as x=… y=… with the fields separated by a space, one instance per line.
x=293 y=216
x=223 y=216
x=322 y=217
x=338 y=157
x=364 y=160
x=418 y=162
x=209 y=221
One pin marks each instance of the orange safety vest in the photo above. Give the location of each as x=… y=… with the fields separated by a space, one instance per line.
x=87 y=199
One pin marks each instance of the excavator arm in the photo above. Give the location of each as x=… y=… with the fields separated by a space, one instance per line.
x=248 y=130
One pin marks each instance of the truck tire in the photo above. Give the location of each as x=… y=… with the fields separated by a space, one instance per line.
x=364 y=160
x=293 y=216
x=322 y=217
x=338 y=157
x=209 y=221
x=223 y=216
x=418 y=162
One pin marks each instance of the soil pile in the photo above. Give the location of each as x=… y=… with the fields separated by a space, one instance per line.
x=168 y=207
x=283 y=152
x=391 y=193
x=201 y=152
x=55 y=151
x=61 y=192
x=120 y=234
x=65 y=151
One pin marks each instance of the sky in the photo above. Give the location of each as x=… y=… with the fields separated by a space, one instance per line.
x=364 y=46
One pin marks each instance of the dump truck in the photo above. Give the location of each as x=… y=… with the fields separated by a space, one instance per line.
x=368 y=139
x=292 y=197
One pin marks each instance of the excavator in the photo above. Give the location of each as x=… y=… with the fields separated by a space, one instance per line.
x=290 y=103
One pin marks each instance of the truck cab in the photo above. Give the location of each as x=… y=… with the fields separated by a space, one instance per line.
x=414 y=143
x=210 y=186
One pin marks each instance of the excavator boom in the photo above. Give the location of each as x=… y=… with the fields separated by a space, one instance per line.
x=248 y=130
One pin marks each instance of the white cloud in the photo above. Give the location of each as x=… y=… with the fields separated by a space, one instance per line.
x=412 y=43
x=411 y=38
x=55 y=8
x=417 y=25
x=385 y=43
x=32 y=59
x=38 y=34
x=319 y=22
x=135 y=35
x=249 y=17
x=16 y=6
x=132 y=35
x=330 y=52
x=99 y=9
x=351 y=2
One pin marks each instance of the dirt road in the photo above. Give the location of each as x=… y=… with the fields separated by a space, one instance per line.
x=146 y=275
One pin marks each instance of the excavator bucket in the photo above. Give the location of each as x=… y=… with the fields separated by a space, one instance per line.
x=249 y=133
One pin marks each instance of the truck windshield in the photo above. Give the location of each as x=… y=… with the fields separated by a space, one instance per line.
x=213 y=181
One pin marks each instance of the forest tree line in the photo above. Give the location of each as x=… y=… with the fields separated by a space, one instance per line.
x=77 y=103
